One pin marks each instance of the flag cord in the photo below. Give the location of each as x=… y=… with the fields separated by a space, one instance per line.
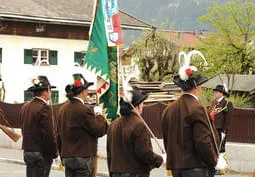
x=146 y=125
x=52 y=113
x=148 y=128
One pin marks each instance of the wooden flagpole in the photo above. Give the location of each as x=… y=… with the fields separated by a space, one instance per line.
x=8 y=130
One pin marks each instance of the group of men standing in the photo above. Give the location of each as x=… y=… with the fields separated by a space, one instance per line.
x=189 y=133
x=73 y=137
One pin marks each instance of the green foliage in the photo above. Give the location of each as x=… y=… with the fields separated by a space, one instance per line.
x=240 y=100
x=156 y=56
x=229 y=50
x=206 y=97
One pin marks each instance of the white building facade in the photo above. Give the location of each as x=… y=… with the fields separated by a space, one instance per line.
x=17 y=71
x=54 y=33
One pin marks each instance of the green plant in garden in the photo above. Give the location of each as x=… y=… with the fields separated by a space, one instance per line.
x=206 y=97
x=230 y=49
x=238 y=100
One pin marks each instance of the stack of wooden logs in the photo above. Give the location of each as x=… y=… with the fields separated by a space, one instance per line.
x=158 y=91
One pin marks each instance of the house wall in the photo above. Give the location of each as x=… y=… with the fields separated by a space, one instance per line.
x=17 y=76
x=131 y=68
x=23 y=28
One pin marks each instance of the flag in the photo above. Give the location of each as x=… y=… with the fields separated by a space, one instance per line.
x=112 y=22
x=102 y=54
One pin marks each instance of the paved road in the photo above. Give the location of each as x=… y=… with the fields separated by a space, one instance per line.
x=17 y=169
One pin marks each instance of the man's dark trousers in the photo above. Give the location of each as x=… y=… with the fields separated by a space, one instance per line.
x=194 y=172
x=79 y=167
x=129 y=175
x=37 y=165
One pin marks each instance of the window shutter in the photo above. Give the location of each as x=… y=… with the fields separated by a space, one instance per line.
x=53 y=57
x=54 y=96
x=0 y=55
x=28 y=56
x=78 y=57
x=27 y=96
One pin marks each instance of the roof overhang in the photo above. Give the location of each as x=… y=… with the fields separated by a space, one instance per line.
x=59 y=21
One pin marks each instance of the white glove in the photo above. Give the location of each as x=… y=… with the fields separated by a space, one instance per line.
x=98 y=110
x=57 y=160
x=223 y=135
x=164 y=158
x=222 y=162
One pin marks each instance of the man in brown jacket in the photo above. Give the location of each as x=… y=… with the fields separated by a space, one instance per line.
x=78 y=130
x=189 y=137
x=221 y=113
x=39 y=142
x=129 y=149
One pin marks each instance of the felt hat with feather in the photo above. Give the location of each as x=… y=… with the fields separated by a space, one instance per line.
x=132 y=94
x=79 y=84
x=187 y=77
x=40 y=83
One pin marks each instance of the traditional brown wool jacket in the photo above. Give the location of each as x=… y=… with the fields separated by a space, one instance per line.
x=187 y=136
x=78 y=130
x=129 y=148
x=37 y=128
x=223 y=118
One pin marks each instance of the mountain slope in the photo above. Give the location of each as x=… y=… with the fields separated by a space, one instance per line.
x=183 y=13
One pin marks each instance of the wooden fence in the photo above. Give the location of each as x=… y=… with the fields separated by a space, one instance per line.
x=242 y=126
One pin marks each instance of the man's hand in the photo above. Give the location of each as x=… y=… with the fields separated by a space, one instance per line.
x=164 y=158
x=98 y=110
x=223 y=135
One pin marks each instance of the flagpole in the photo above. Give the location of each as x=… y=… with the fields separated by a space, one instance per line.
x=93 y=17
x=97 y=101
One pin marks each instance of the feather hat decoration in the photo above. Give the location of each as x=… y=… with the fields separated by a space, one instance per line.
x=187 y=78
x=225 y=87
x=132 y=95
x=127 y=89
x=187 y=70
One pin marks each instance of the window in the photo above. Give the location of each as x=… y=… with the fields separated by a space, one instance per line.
x=40 y=56
x=79 y=57
x=27 y=96
x=0 y=64
x=54 y=96
x=0 y=55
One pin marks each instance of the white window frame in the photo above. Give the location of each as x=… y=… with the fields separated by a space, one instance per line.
x=39 y=59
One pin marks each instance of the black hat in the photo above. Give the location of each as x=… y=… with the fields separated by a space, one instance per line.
x=138 y=97
x=222 y=89
x=192 y=82
x=40 y=83
x=135 y=97
x=79 y=84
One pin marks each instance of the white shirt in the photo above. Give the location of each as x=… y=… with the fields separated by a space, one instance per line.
x=191 y=95
x=79 y=99
x=220 y=99
x=41 y=99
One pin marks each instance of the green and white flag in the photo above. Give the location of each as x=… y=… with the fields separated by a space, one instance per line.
x=102 y=56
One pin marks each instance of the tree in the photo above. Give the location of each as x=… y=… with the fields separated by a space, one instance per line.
x=229 y=50
x=156 y=56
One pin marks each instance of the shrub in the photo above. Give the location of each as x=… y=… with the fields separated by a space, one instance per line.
x=238 y=100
